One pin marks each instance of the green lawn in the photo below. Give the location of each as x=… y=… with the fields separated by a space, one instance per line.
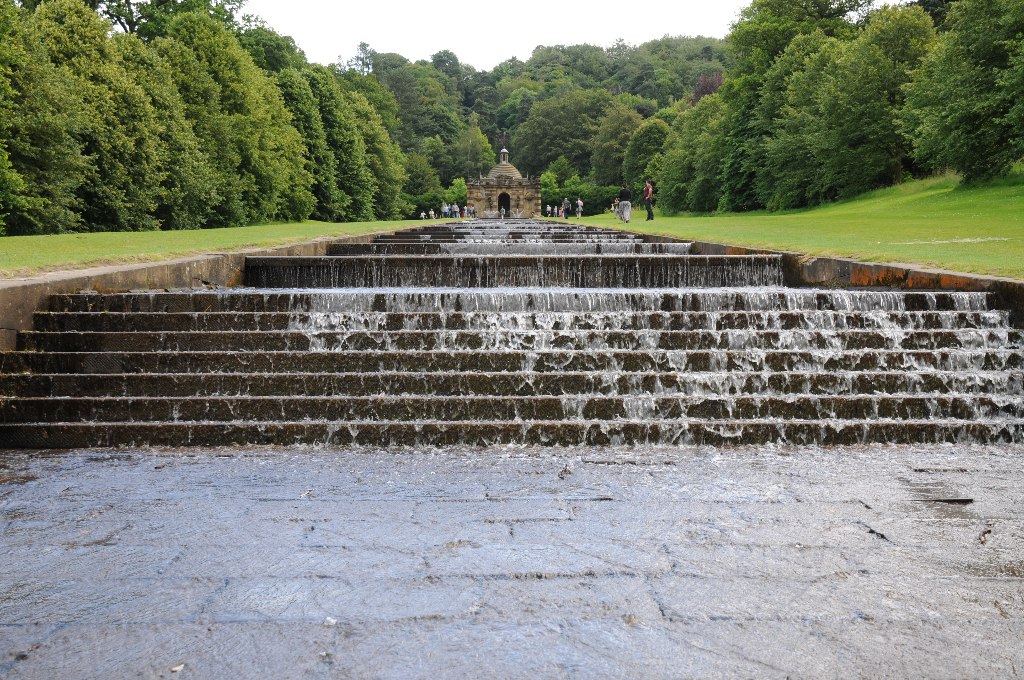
x=25 y=255
x=933 y=223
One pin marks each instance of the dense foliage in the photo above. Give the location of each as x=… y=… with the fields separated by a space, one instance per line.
x=180 y=114
x=829 y=99
x=181 y=118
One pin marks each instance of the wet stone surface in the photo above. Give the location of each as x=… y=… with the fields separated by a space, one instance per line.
x=513 y=562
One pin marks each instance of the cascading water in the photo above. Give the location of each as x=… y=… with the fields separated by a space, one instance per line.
x=515 y=332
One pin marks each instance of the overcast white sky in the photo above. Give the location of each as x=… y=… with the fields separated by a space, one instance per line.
x=479 y=32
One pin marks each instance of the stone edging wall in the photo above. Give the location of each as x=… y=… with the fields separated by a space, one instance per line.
x=836 y=272
x=20 y=298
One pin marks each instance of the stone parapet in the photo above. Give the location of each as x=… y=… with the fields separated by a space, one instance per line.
x=21 y=297
x=837 y=272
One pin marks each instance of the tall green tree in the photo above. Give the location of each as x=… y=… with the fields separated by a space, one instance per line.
x=441 y=157
x=355 y=179
x=790 y=115
x=458 y=192
x=187 y=188
x=964 y=105
x=120 y=132
x=42 y=165
x=154 y=17
x=694 y=156
x=515 y=109
x=560 y=126
x=269 y=49
x=936 y=9
x=380 y=97
x=384 y=159
x=12 y=186
x=331 y=202
x=474 y=154
x=834 y=111
x=421 y=177
x=614 y=130
x=859 y=142
x=550 y=191
x=763 y=32
x=239 y=114
x=644 y=146
x=427 y=105
x=666 y=69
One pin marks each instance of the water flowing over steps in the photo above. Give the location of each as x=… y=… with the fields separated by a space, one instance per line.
x=518 y=332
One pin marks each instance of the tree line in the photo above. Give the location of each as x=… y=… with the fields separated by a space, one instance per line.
x=828 y=99
x=184 y=118
x=181 y=114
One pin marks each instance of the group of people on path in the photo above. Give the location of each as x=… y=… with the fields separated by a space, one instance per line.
x=447 y=211
x=623 y=205
x=564 y=210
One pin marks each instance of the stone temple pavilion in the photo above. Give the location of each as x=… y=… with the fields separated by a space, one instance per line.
x=505 y=187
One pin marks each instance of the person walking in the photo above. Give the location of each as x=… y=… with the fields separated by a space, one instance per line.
x=625 y=203
x=579 y=207
x=566 y=208
x=649 y=200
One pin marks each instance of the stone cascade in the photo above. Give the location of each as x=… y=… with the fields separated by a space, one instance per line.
x=487 y=333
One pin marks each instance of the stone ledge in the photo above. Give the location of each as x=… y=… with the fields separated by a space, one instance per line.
x=20 y=298
x=802 y=270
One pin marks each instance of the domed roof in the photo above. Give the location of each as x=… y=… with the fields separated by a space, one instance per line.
x=504 y=167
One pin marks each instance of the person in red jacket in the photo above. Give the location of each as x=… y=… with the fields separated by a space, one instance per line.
x=649 y=200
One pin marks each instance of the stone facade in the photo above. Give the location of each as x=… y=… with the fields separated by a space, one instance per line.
x=505 y=187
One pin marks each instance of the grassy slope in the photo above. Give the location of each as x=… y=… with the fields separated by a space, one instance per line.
x=907 y=223
x=26 y=255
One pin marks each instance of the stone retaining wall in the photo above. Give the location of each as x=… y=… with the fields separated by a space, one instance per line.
x=19 y=298
x=838 y=272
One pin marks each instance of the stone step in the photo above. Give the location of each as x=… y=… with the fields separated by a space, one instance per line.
x=549 y=230
x=556 y=230
x=242 y=341
x=509 y=408
x=425 y=321
x=555 y=383
x=472 y=228
x=618 y=247
x=465 y=226
x=525 y=332
x=518 y=300
x=484 y=433
x=545 y=239
x=571 y=271
x=256 y=362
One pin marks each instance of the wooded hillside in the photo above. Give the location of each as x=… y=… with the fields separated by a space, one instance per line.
x=183 y=114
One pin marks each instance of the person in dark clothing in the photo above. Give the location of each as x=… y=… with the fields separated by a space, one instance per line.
x=649 y=200
x=566 y=209
x=625 y=203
